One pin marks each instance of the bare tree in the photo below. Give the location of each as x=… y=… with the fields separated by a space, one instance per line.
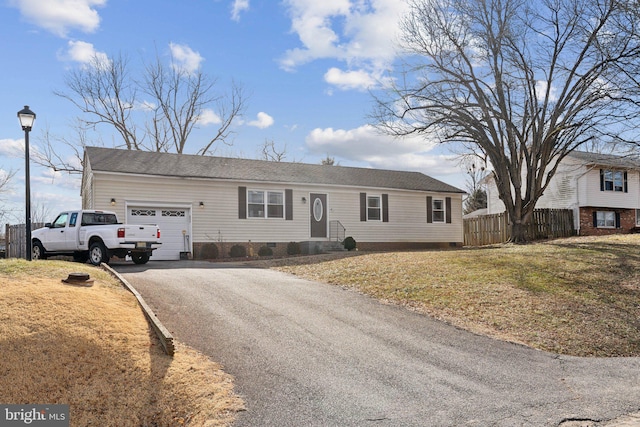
x=49 y=155
x=477 y=198
x=40 y=213
x=329 y=161
x=155 y=112
x=105 y=93
x=270 y=152
x=518 y=83
x=5 y=186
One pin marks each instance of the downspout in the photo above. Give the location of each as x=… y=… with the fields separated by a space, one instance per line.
x=589 y=169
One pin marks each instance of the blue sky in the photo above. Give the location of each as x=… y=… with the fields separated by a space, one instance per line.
x=308 y=65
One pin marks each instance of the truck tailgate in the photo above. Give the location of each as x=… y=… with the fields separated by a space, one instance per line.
x=140 y=233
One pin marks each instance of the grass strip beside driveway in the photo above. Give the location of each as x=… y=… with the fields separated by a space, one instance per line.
x=578 y=296
x=91 y=348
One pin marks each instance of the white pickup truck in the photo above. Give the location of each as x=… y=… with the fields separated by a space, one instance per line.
x=95 y=236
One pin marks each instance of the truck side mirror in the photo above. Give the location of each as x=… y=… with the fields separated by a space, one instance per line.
x=48 y=225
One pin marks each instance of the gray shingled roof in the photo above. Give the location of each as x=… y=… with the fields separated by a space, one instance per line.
x=617 y=161
x=190 y=166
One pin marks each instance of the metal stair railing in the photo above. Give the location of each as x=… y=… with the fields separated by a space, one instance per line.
x=337 y=231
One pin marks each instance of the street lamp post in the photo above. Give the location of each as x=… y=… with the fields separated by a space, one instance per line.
x=27 y=117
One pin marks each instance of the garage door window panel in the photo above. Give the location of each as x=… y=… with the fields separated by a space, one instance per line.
x=174 y=213
x=143 y=212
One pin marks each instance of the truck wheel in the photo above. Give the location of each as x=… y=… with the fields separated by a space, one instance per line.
x=140 y=257
x=98 y=253
x=37 y=251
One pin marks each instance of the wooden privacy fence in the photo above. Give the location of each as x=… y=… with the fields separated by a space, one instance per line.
x=15 y=238
x=496 y=228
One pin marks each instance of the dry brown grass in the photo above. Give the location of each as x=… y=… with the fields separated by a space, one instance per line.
x=90 y=347
x=577 y=296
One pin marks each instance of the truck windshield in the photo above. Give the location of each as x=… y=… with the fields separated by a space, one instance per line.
x=97 y=218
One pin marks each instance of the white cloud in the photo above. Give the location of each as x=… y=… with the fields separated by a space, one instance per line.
x=541 y=91
x=366 y=144
x=12 y=147
x=362 y=143
x=56 y=178
x=184 y=58
x=61 y=16
x=237 y=7
x=208 y=117
x=263 y=121
x=359 y=79
x=360 y=33
x=85 y=53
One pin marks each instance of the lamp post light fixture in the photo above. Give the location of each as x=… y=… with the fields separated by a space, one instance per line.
x=27 y=117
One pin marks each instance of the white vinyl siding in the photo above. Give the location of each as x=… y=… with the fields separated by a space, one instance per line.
x=590 y=194
x=218 y=219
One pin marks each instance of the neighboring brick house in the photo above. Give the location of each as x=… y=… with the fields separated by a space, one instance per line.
x=603 y=190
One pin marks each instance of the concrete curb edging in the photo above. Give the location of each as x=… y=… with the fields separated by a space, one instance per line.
x=166 y=339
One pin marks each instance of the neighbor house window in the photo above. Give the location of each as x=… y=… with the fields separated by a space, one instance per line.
x=637 y=217
x=613 y=180
x=438 y=210
x=605 y=219
x=265 y=204
x=374 y=208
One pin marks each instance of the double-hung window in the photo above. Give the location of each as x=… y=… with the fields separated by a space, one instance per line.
x=374 y=208
x=613 y=180
x=606 y=219
x=438 y=210
x=275 y=204
x=265 y=204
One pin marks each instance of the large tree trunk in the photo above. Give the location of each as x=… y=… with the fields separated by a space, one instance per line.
x=519 y=232
x=520 y=226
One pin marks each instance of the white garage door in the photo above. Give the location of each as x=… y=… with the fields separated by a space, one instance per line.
x=172 y=222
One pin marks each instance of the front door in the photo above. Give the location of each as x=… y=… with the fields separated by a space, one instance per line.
x=318 y=215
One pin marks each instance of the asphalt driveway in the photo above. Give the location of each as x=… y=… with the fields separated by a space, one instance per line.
x=309 y=354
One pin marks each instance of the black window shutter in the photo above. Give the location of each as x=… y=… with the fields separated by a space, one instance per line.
x=448 y=207
x=385 y=208
x=626 y=190
x=429 y=209
x=617 y=219
x=288 y=205
x=601 y=180
x=242 y=202
x=363 y=206
x=595 y=219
